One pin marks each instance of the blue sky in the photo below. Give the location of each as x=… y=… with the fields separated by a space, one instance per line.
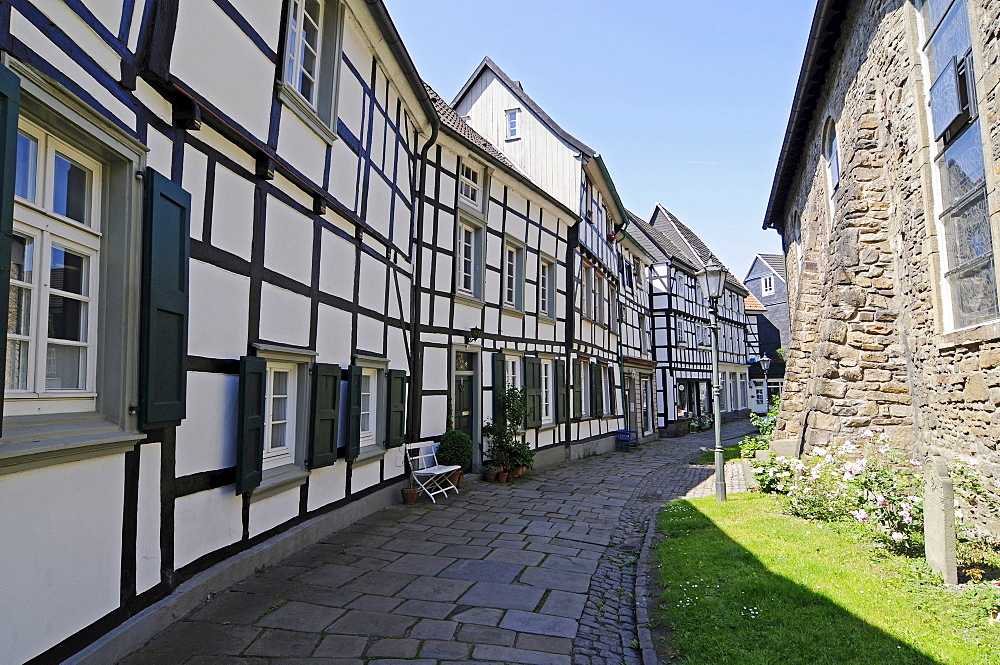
x=687 y=100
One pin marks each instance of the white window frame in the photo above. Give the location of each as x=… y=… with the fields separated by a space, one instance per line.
x=461 y=259
x=831 y=153
x=588 y=291
x=369 y=437
x=470 y=185
x=548 y=410
x=296 y=42
x=513 y=276
x=600 y=301
x=512 y=124
x=767 y=285
x=37 y=220
x=512 y=370
x=546 y=288
x=282 y=455
x=585 y=388
x=606 y=388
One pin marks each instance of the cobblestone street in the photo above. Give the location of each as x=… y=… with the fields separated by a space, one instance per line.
x=538 y=571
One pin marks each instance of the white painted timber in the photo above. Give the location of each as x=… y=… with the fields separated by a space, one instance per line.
x=147 y=544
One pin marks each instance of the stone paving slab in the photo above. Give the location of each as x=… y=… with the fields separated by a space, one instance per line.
x=540 y=571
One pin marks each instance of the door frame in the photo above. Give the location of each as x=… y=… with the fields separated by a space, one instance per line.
x=477 y=398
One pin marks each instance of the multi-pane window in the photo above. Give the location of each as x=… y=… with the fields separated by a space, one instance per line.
x=546 y=289
x=54 y=267
x=513 y=278
x=643 y=334
x=588 y=291
x=279 y=414
x=767 y=285
x=514 y=371
x=302 y=60
x=470 y=186
x=964 y=215
x=599 y=306
x=547 y=407
x=513 y=120
x=585 y=388
x=468 y=260
x=369 y=405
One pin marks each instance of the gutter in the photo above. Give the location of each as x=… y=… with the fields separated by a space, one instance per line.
x=614 y=192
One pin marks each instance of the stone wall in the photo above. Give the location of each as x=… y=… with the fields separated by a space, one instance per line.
x=867 y=347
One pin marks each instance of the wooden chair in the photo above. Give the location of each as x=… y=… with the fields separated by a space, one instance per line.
x=430 y=476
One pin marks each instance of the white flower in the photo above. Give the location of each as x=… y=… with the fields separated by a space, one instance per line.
x=898 y=537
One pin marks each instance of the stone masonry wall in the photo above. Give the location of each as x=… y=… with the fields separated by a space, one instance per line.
x=867 y=347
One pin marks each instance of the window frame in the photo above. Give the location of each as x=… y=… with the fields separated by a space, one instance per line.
x=513 y=371
x=585 y=389
x=478 y=233
x=547 y=288
x=516 y=134
x=767 y=285
x=831 y=155
x=370 y=437
x=547 y=385
x=274 y=458
x=588 y=291
x=465 y=182
x=512 y=277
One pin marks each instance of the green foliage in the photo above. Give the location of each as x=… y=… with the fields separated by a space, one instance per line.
x=507 y=448
x=781 y=354
x=729 y=453
x=743 y=583
x=752 y=443
x=455 y=449
x=765 y=425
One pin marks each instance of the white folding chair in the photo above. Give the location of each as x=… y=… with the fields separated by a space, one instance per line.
x=430 y=476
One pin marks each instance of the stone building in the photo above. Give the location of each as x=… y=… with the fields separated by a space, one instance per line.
x=884 y=197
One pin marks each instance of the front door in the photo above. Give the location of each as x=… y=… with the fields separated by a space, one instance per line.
x=465 y=403
x=630 y=401
x=464 y=391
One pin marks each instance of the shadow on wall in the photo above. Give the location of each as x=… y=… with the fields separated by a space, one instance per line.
x=765 y=616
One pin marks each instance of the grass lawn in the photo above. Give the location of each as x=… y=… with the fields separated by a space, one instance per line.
x=744 y=584
x=731 y=452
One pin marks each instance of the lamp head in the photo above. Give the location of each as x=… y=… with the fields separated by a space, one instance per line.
x=765 y=363
x=712 y=279
x=473 y=335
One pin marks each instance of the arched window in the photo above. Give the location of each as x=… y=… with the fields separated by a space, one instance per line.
x=831 y=151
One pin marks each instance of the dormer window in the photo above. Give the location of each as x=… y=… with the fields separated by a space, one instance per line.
x=470 y=186
x=513 y=124
x=768 y=286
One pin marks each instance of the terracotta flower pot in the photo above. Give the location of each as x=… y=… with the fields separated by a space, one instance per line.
x=456 y=478
x=491 y=476
x=410 y=496
x=502 y=476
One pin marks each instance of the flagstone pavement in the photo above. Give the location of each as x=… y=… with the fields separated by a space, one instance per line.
x=539 y=571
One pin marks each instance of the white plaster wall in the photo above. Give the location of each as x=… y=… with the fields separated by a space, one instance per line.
x=160 y=152
x=301 y=146
x=401 y=224
x=396 y=350
x=232 y=213
x=233 y=81
x=206 y=440
x=372 y=291
x=333 y=335
x=217 y=295
x=466 y=317
x=195 y=168
x=147 y=551
x=344 y=165
x=205 y=522
x=288 y=242
x=394 y=462
x=264 y=17
x=70 y=509
x=379 y=203
x=272 y=511
x=370 y=334
x=435 y=369
x=337 y=261
x=327 y=485
x=365 y=475
x=108 y=12
x=434 y=417
x=510 y=326
x=284 y=316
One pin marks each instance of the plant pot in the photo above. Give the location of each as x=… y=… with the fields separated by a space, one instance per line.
x=456 y=479
x=491 y=476
x=410 y=496
x=502 y=476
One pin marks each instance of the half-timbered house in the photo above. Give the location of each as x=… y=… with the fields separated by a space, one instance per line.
x=635 y=336
x=680 y=327
x=208 y=213
x=493 y=293
x=498 y=108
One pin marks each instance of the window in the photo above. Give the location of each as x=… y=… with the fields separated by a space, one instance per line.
x=733 y=404
x=585 y=388
x=52 y=324
x=643 y=334
x=369 y=406
x=743 y=391
x=312 y=60
x=547 y=407
x=628 y=275
x=470 y=186
x=513 y=371
x=546 y=290
x=832 y=153
x=468 y=260
x=969 y=267
x=588 y=291
x=280 y=414
x=513 y=281
x=767 y=285
x=513 y=117
x=599 y=300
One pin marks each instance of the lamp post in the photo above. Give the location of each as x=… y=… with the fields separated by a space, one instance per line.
x=765 y=364
x=712 y=279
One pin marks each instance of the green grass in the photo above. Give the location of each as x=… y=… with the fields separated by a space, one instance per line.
x=745 y=584
x=732 y=452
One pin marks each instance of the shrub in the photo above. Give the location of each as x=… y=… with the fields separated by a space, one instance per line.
x=455 y=449
x=507 y=448
x=765 y=425
x=775 y=473
x=752 y=443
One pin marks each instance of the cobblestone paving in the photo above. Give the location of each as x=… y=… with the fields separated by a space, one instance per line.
x=540 y=571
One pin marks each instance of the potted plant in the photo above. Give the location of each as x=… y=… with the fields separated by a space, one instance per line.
x=491 y=473
x=455 y=449
x=507 y=450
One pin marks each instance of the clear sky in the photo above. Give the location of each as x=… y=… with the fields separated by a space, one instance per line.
x=686 y=100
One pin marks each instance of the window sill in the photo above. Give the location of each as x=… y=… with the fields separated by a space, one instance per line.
x=34 y=442
x=369 y=454
x=509 y=310
x=469 y=300
x=306 y=113
x=984 y=332
x=469 y=207
x=279 y=479
x=545 y=318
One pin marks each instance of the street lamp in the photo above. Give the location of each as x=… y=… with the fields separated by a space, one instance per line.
x=712 y=279
x=765 y=364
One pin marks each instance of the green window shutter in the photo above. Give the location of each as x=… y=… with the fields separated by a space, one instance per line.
x=250 y=432
x=397 y=408
x=325 y=415
x=499 y=386
x=613 y=389
x=577 y=390
x=597 y=390
x=354 y=412
x=10 y=103
x=533 y=391
x=166 y=249
x=561 y=405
